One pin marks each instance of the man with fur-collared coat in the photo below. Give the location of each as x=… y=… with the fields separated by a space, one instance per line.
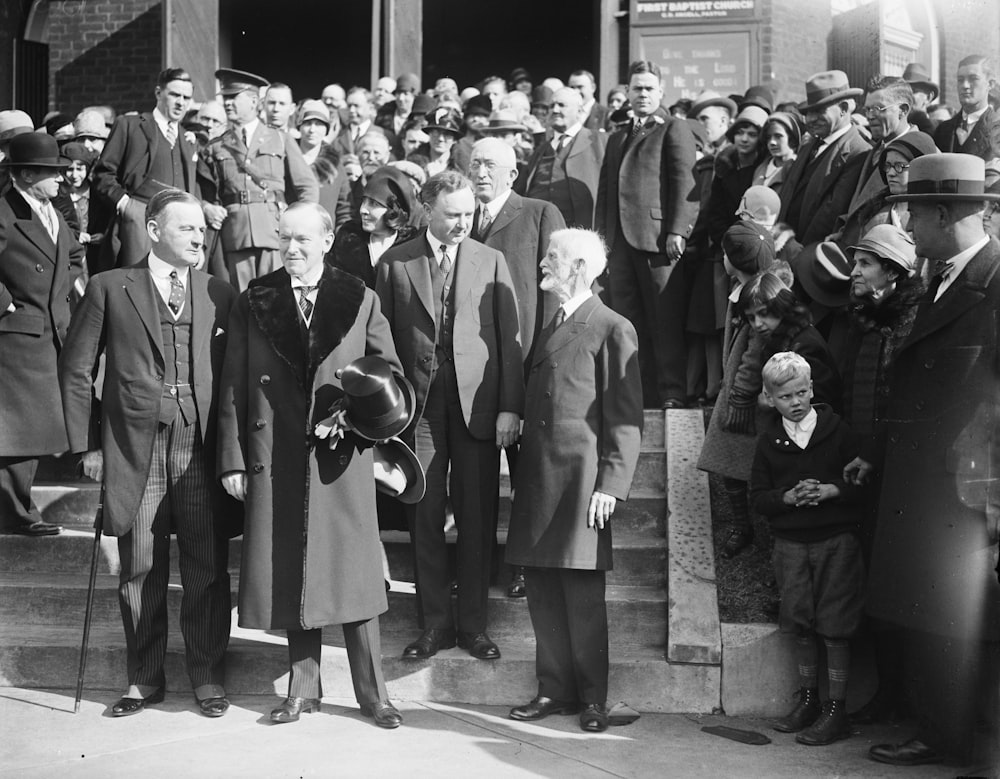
x=579 y=449
x=311 y=554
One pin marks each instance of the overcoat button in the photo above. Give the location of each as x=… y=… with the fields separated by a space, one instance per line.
x=39 y=268
x=261 y=423
x=542 y=423
x=343 y=459
x=265 y=380
x=257 y=468
x=67 y=298
x=159 y=377
x=555 y=365
x=929 y=364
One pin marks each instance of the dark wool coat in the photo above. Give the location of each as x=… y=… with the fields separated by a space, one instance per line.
x=350 y=250
x=36 y=275
x=932 y=563
x=119 y=317
x=582 y=425
x=310 y=548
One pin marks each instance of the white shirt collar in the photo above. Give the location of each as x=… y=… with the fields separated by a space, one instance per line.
x=162 y=270
x=801 y=432
x=571 y=305
x=971 y=119
x=496 y=204
x=834 y=136
x=311 y=279
x=34 y=202
x=436 y=245
x=571 y=131
x=249 y=129
x=958 y=263
x=162 y=122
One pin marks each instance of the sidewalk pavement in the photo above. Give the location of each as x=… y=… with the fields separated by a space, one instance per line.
x=43 y=738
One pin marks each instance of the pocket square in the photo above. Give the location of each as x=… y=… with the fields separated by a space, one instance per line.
x=219 y=331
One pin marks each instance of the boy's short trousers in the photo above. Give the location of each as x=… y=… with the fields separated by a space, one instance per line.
x=821 y=585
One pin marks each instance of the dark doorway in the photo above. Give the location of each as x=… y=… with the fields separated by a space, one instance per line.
x=306 y=44
x=468 y=41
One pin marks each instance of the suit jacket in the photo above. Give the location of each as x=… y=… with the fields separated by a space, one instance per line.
x=646 y=185
x=597 y=119
x=521 y=233
x=488 y=357
x=119 y=316
x=582 y=169
x=273 y=163
x=128 y=153
x=932 y=561
x=36 y=275
x=310 y=548
x=826 y=189
x=582 y=429
x=978 y=142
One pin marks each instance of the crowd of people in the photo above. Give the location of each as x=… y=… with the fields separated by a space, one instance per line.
x=532 y=269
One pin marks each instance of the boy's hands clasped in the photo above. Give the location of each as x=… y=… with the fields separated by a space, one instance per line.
x=810 y=492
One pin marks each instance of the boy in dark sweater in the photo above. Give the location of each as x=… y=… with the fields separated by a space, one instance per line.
x=797 y=483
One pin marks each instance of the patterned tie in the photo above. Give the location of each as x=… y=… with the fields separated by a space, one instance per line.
x=305 y=304
x=484 y=222
x=637 y=125
x=176 y=300
x=171 y=134
x=445 y=265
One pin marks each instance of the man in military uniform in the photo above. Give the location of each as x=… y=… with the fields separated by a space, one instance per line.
x=248 y=175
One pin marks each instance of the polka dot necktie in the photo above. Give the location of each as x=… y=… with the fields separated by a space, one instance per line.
x=176 y=300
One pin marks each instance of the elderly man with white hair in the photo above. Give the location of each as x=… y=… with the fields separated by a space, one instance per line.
x=579 y=449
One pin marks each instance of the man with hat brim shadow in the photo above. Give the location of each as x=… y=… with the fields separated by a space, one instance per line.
x=144 y=154
x=311 y=545
x=822 y=180
x=12 y=123
x=248 y=175
x=39 y=261
x=925 y=94
x=939 y=505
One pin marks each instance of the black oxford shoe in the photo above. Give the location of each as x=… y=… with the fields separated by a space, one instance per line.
x=517 y=588
x=430 y=642
x=291 y=708
x=912 y=752
x=541 y=707
x=126 y=707
x=384 y=713
x=479 y=645
x=594 y=718
x=214 y=707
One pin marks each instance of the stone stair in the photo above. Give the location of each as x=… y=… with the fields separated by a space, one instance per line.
x=665 y=636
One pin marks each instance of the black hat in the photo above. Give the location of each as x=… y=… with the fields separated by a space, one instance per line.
x=232 y=82
x=749 y=246
x=423 y=104
x=398 y=472
x=517 y=75
x=379 y=403
x=759 y=96
x=824 y=273
x=447 y=120
x=388 y=181
x=479 y=104
x=34 y=150
x=541 y=95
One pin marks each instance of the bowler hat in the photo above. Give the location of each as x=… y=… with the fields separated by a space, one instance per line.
x=824 y=273
x=502 y=122
x=397 y=471
x=709 y=98
x=232 y=82
x=14 y=122
x=827 y=87
x=888 y=242
x=34 y=150
x=541 y=95
x=379 y=403
x=446 y=120
x=917 y=77
x=749 y=247
x=946 y=177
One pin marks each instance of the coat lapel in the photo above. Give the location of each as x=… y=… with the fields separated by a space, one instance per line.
x=276 y=313
x=420 y=277
x=139 y=288
x=152 y=133
x=201 y=321
x=468 y=265
x=338 y=301
x=507 y=214
x=569 y=331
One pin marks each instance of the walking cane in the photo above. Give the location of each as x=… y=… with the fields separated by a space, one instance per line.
x=98 y=529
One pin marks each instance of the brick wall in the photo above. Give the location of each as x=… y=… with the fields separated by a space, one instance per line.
x=104 y=52
x=794 y=44
x=968 y=27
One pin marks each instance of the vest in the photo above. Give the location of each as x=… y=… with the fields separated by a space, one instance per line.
x=166 y=169
x=178 y=395
x=549 y=182
x=444 y=310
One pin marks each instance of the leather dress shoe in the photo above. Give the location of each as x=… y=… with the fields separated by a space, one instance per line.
x=126 y=707
x=39 y=528
x=805 y=713
x=740 y=537
x=291 y=708
x=912 y=752
x=430 y=642
x=594 y=718
x=541 y=707
x=479 y=645
x=516 y=588
x=384 y=713
x=214 y=707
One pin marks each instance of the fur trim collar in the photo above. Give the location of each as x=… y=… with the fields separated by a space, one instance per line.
x=866 y=316
x=275 y=310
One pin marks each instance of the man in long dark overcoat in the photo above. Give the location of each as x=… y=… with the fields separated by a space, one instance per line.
x=579 y=449
x=311 y=554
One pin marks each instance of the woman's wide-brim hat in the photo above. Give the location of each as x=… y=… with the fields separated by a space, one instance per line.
x=379 y=403
x=941 y=178
x=827 y=87
x=397 y=471
x=824 y=273
x=445 y=120
x=34 y=150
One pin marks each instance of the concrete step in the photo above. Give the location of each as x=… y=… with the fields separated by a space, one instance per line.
x=637 y=615
x=257 y=663
x=74 y=505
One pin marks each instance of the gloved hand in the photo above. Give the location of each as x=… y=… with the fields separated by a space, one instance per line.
x=740 y=419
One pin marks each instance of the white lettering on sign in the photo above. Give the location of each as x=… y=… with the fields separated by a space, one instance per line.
x=694 y=8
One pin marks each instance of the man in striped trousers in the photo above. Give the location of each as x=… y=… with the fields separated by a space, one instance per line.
x=161 y=326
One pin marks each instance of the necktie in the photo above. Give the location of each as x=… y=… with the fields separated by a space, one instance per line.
x=559 y=318
x=445 y=265
x=484 y=222
x=557 y=143
x=305 y=305
x=246 y=140
x=171 y=134
x=176 y=299
x=942 y=269
x=637 y=124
